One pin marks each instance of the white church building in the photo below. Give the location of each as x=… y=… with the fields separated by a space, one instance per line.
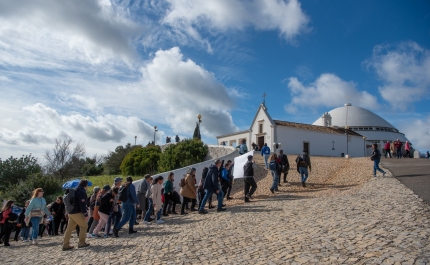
x=343 y=131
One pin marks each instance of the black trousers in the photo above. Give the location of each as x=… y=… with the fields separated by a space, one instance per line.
x=57 y=223
x=5 y=231
x=185 y=201
x=63 y=225
x=168 y=198
x=250 y=186
x=17 y=232
x=225 y=186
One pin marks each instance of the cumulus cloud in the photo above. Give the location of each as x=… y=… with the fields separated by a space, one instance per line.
x=45 y=124
x=191 y=17
x=328 y=90
x=418 y=132
x=405 y=71
x=48 y=34
x=183 y=89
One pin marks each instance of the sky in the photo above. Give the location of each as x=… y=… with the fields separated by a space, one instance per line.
x=104 y=71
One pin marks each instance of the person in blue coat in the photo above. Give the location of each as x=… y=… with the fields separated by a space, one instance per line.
x=129 y=208
x=265 y=152
x=212 y=185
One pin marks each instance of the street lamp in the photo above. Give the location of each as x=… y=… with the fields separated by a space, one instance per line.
x=346 y=132
x=364 y=140
x=200 y=121
x=135 y=138
x=155 y=130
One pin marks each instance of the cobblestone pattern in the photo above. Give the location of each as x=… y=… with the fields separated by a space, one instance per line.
x=341 y=218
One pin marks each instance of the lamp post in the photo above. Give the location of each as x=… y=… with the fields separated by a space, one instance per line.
x=135 y=138
x=155 y=130
x=346 y=132
x=364 y=140
x=200 y=121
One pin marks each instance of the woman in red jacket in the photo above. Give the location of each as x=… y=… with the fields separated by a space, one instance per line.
x=5 y=226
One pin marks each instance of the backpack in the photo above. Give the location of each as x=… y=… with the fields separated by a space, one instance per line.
x=301 y=161
x=272 y=165
x=248 y=170
x=69 y=200
x=123 y=193
x=182 y=183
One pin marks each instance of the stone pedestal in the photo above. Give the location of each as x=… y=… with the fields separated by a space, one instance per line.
x=417 y=154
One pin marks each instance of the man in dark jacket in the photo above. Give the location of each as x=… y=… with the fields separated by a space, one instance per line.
x=248 y=177
x=212 y=185
x=77 y=217
x=285 y=165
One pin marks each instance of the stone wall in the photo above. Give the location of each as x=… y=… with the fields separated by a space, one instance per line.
x=217 y=151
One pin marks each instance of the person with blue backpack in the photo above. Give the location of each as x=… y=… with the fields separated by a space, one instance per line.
x=265 y=152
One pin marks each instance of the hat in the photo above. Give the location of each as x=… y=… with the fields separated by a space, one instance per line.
x=96 y=189
x=106 y=187
x=117 y=179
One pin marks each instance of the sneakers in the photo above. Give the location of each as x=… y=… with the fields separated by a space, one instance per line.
x=95 y=236
x=229 y=198
x=221 y=209
x=132 y=231
x=272 y=191
x=203 y=212
x=84 y=245
x=115 y=232
x=88 y=235
x=159 y=222
x=68 y=248
x=34 y=242
x=146 y=223
x=184 y=213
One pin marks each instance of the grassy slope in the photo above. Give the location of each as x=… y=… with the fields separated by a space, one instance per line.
x=107 y=179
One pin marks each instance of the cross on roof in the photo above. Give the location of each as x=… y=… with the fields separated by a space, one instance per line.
x=264 y=97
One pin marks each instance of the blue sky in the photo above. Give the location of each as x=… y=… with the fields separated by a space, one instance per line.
x=105 y=71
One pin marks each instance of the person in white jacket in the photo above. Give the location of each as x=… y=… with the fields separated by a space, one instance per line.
x=156 y=198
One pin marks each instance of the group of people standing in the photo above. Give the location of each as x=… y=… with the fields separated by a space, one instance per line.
x=395 y=148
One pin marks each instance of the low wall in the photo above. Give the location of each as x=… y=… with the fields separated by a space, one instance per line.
x=179 y=173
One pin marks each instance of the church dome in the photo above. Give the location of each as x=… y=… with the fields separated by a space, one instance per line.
x=357 y=117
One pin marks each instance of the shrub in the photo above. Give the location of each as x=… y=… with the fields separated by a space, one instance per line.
x=23 y=190
x=185 y=153
x=141 y=160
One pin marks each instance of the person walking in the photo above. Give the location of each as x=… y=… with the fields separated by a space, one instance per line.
x=168 y=194
x=77 y=217
x=25 y=229
x=211 y=185
x=408 y=150
x=285 y=165
x=200 y=189
x=387 y=148
x=6 y=225
x=265 y=152
x=376 y=158
x=156 y=201
x=398 y=145
x=147 y=217
x=35 y=211
x=231 y=177
x=274 y=169
x=93 y=198
x=142 y=189
x=188 y=191
x=248 y=173
x=115 y=216
x=57 y=211
x=225 y=179
x=129 y=207
x=106 y=204
x=303 y=163
x=243 y=149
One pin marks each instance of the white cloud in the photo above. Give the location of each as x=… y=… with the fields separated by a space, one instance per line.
x=214 y=16
x=418 y=132
x=328 y=90
x=405 y=71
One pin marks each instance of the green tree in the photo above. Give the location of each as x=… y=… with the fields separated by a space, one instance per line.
x=92 y=166
x=14 y=169
x=112 y=162
x=185 y=153
x=196 y=134
x=141 y=160
x=23 y=190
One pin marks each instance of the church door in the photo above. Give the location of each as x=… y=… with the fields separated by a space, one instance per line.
x=260 y=142
x=306 y=147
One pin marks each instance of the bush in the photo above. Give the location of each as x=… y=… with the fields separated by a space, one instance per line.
x=185 y=153
x=141 y=161
x=13 y=170
x=23 y=190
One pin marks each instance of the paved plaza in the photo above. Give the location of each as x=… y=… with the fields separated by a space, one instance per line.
x=377 y=222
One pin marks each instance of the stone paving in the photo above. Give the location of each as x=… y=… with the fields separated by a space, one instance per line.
x=378 y=221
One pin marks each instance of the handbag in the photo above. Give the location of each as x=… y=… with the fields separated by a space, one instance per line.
x=36 y=213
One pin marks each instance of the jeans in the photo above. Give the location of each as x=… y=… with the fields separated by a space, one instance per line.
x=376 y=166
x=303 y=173
x=220 y=197
x=114 y=217
x=275 y=180
x=159 y=214
x=150 y=209
x=399 y=152
x=35 y=224
x=25 y=232
x=128 y=214
x=266 y=157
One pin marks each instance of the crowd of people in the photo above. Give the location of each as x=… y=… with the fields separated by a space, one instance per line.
x=394 y=149
x=105 y=212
